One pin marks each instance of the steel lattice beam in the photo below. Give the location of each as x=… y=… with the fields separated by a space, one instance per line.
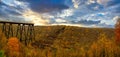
x=23 y=31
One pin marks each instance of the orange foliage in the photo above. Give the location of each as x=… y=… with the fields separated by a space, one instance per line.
x=13 y=46
x=117 y=31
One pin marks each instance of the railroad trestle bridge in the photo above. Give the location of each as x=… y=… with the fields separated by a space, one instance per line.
x=23 y=31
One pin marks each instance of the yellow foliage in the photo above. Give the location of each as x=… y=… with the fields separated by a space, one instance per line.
x=68 y=42
x=104 y=48
x=3 y=40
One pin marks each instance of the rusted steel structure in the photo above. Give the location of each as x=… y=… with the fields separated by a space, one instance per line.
x=23 y=31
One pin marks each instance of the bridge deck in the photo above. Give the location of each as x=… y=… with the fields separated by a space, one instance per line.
x=17 y=23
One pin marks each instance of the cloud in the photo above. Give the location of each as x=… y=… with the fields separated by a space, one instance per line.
x=34 y=17
x=95 y=6
x=87 y=13
x=103 y=1
x=8 y=13
x=11 y=10
x=47 y=5
x=20 y=12
x=91 y=1
x=106 y=3
x=65 y=13
x=117 y=9
x=60 y=21
x=116 y=18
x=86 y=22
x=76 y=3
x=113 y=2
x=93 y=14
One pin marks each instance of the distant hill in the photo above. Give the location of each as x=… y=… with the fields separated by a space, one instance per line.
x=50 y=35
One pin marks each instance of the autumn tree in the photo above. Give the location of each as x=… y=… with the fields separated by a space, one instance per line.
x=117 y=31
x=13 y=47
x=104 y=47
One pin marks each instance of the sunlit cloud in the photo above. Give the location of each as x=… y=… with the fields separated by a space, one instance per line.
x=116 y=18
x=104 y=2
x=66 y=13
x=60 y=20
x=76 y=3
x=34 y=17
x=92 y=1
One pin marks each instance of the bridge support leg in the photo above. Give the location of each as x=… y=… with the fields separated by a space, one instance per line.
x=24 y=32
x=10 y=30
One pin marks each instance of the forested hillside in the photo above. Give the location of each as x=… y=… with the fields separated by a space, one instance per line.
x=63 y=41
x=83 y=36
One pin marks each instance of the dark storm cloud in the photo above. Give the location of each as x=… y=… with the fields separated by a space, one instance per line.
x=86 y=22
x=47 y=5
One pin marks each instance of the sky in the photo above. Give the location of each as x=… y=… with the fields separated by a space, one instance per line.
x=82 y=13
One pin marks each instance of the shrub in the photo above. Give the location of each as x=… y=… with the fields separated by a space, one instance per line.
x=2 y=53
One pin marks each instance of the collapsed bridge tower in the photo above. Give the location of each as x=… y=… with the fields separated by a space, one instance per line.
x=23 y=31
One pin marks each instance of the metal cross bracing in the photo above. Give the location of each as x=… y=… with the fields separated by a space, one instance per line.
x=23 y=31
